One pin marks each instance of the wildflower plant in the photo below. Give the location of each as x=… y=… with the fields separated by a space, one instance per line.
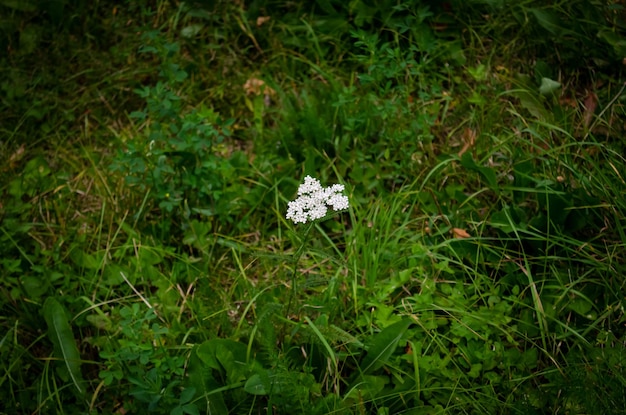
x=309 y=207
x=313 y=201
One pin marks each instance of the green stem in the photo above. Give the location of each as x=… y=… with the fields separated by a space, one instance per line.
x=296 y=259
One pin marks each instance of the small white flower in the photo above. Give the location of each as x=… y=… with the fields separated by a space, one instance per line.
x=310 y=185
x=313 y=201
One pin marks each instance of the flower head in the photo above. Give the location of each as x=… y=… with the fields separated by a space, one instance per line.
x=313 y=201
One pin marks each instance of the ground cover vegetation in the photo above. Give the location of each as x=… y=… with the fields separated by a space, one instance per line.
x=149 y=150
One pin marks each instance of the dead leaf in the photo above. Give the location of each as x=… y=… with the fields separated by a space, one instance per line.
x=255 y=86
x=460 y=233
x=568 y=101
x=591 y=102
x=261 y=20
x=469 y=139
x=16 y=156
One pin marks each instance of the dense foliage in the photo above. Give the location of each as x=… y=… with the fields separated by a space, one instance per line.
x=148 y=152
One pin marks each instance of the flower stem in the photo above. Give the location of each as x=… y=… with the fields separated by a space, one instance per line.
x=296 y=259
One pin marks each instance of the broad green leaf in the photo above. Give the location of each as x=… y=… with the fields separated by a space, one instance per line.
x=548 y=86
x=85 y=260
x=326 y=6
x=60 y=334
x=368 y=387
x=383 y=345
x=475 y=370
x=222 y=354
x=191 y=409
x=529 y=99
x=191 y=30
x=549 y=20
x=488 y=173
x=508 y=219
x=583 y=307
x=21 y=5
x=149 y=256
x=256 y=385
x=232 y=357
x=202 y=380
x=614 y=39
x=187 y=395
x=35 y=286
x=30 y=36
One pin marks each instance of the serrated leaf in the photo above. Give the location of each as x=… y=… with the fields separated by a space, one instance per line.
x=383 y=345
x=62 y=338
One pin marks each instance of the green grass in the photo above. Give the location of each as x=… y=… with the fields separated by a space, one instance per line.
x=144 y=189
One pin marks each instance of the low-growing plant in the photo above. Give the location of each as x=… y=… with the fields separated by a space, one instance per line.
x=142 y=362
x=177 y=157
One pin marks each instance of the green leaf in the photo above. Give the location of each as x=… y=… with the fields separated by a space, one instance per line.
x=488 y=173
x=35 y=286
x=529 y=99
x=187 y=395
x=383 y=345
x=226 y=356
x=508 y=219
x=318 y=333
x=21 y=5
x=191 y=409
x=85 y=260
x=617 y=41
x=479 y=73
x=548 y=20
x=326 y=6
x=60 y=334
x=548 y=86
x=256 y=385
x=582 y=306
x=368 y=387
x=201 y=378
x=191 y=30
x=30 y=36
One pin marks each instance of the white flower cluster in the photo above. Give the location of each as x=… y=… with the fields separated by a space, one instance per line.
x=313 y=200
